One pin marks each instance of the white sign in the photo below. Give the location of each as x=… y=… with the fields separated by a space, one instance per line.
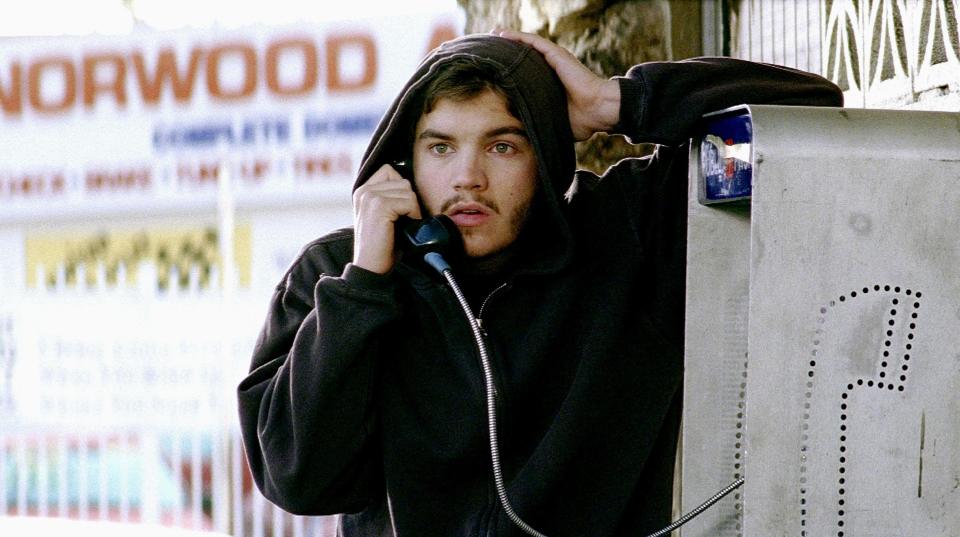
x=146 y=121
x=109 y=358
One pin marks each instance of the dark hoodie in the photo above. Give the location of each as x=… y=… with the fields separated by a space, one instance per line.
x=365 y=394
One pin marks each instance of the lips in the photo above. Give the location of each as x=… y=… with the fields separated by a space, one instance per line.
x=469 y=214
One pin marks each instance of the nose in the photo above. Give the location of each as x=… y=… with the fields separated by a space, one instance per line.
x=469 y=173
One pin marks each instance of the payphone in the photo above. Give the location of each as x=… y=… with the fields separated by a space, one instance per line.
x=823 y=323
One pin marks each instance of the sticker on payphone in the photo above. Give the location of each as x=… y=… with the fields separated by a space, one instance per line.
x=726 y=172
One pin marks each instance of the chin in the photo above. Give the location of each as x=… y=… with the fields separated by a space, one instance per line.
x=477 y=249
x=481 y=245
x=477 y=253
x=483 y=251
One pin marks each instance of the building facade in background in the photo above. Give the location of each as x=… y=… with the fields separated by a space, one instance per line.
x=883 y=53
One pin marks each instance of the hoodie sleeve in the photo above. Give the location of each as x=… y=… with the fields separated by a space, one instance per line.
x=306 y=408
x=662 y=101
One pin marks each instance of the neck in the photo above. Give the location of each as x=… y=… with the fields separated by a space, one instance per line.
x=490 y=265
x=479 y=276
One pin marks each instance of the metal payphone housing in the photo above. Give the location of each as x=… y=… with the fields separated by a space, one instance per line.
x=823 y=326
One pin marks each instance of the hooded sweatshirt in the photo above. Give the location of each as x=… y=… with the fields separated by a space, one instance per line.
x=365 y=394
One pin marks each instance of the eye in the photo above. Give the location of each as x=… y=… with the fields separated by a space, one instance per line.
x=502 y=147
x=440 y=149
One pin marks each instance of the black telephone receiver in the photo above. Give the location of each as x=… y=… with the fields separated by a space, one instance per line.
x=435 y=234
x=419 y=237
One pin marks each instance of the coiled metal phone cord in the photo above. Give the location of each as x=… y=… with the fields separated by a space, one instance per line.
x=441 y=266
x=699 y=509
x=491 y=407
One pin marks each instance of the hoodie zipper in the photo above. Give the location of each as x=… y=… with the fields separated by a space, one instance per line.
x=492 y=499
x=483 y=333
x=483 y=306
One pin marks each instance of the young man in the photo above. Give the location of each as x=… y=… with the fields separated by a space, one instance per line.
x=365 y=394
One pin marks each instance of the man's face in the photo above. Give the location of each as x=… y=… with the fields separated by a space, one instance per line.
x=472 y=161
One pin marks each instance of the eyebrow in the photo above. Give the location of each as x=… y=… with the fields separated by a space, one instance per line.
x=430 y=133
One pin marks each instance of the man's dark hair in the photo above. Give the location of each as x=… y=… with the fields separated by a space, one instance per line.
x=462 y=79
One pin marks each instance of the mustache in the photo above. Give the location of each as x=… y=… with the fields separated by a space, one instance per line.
x=460 y=198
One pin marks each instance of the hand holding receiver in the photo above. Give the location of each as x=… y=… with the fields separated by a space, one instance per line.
x=377 y=205
x=593 y=102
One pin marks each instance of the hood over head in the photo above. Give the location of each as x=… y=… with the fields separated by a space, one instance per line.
x=537 y=96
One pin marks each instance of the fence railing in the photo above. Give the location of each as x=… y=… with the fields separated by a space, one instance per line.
x=882 y=53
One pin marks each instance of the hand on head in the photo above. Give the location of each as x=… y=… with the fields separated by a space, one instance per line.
x=593 y=102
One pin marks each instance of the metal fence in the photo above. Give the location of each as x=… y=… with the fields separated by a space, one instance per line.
x=882 y=53
x=119 y=404
x=785 y=32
